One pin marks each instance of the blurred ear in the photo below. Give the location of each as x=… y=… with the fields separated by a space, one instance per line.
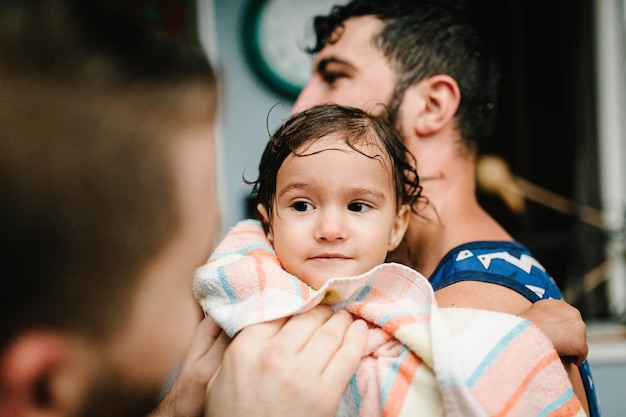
x=265 y=220
x=29 y=376
x=399 y=227
x=433 y=104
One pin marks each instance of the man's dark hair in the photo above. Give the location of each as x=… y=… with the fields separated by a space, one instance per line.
x=423 y=38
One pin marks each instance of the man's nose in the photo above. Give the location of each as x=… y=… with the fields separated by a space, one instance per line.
x=309 y=96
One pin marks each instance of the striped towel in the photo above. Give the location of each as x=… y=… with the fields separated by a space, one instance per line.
x=420 y=359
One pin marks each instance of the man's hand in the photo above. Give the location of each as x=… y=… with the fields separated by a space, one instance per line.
x=297 y=367
x=563 y=325
x=187 y=395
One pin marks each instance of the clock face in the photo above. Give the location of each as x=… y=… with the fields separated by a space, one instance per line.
x=276 y=33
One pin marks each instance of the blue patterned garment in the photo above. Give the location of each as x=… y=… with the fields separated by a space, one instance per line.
x=509 y=264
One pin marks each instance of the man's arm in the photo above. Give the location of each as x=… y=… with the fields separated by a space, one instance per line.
x=563 y=325
x=561 y=322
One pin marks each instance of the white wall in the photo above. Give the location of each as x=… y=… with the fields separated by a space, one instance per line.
x=246 y=104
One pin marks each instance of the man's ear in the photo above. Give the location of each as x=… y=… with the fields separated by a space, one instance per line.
x=400 y=225
x=265 y=219
x=27 y=370
x=430 y=105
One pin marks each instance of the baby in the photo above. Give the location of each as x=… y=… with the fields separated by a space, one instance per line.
x=335 y=193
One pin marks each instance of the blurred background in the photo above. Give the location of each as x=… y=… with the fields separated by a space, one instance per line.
x=552 y=171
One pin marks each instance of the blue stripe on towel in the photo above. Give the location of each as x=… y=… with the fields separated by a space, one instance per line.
x=296 y=286
x=556 y=404
x=495 y=352
x=223 y=277
x=392 y=375
x=363 y=293
x=356 y=394
x=385 y=318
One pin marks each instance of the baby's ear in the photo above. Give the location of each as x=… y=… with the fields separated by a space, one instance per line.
x=400 y=225
x=265 y=220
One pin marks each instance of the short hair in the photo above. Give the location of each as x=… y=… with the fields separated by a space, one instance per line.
x=355 y=127
x=424 y=38
x=88 y=194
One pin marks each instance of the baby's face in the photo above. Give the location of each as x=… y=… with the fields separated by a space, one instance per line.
x=335 y=212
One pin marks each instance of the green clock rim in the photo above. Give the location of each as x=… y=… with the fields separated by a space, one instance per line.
x=252 y=49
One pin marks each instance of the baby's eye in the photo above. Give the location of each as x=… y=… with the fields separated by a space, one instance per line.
x=302 y=206
x=359 y=206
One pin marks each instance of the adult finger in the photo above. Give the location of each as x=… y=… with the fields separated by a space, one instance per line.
x=326 y=340
x=187 y=395
x=300 y=328
x=346 y=359
x=207 y=333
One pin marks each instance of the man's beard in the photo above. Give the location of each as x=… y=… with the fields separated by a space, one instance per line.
x=393 y=108
x=112 y=395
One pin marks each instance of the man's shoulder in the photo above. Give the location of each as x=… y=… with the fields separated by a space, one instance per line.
x=506 y=263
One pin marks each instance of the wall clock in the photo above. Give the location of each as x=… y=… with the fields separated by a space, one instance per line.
x=275 y=34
